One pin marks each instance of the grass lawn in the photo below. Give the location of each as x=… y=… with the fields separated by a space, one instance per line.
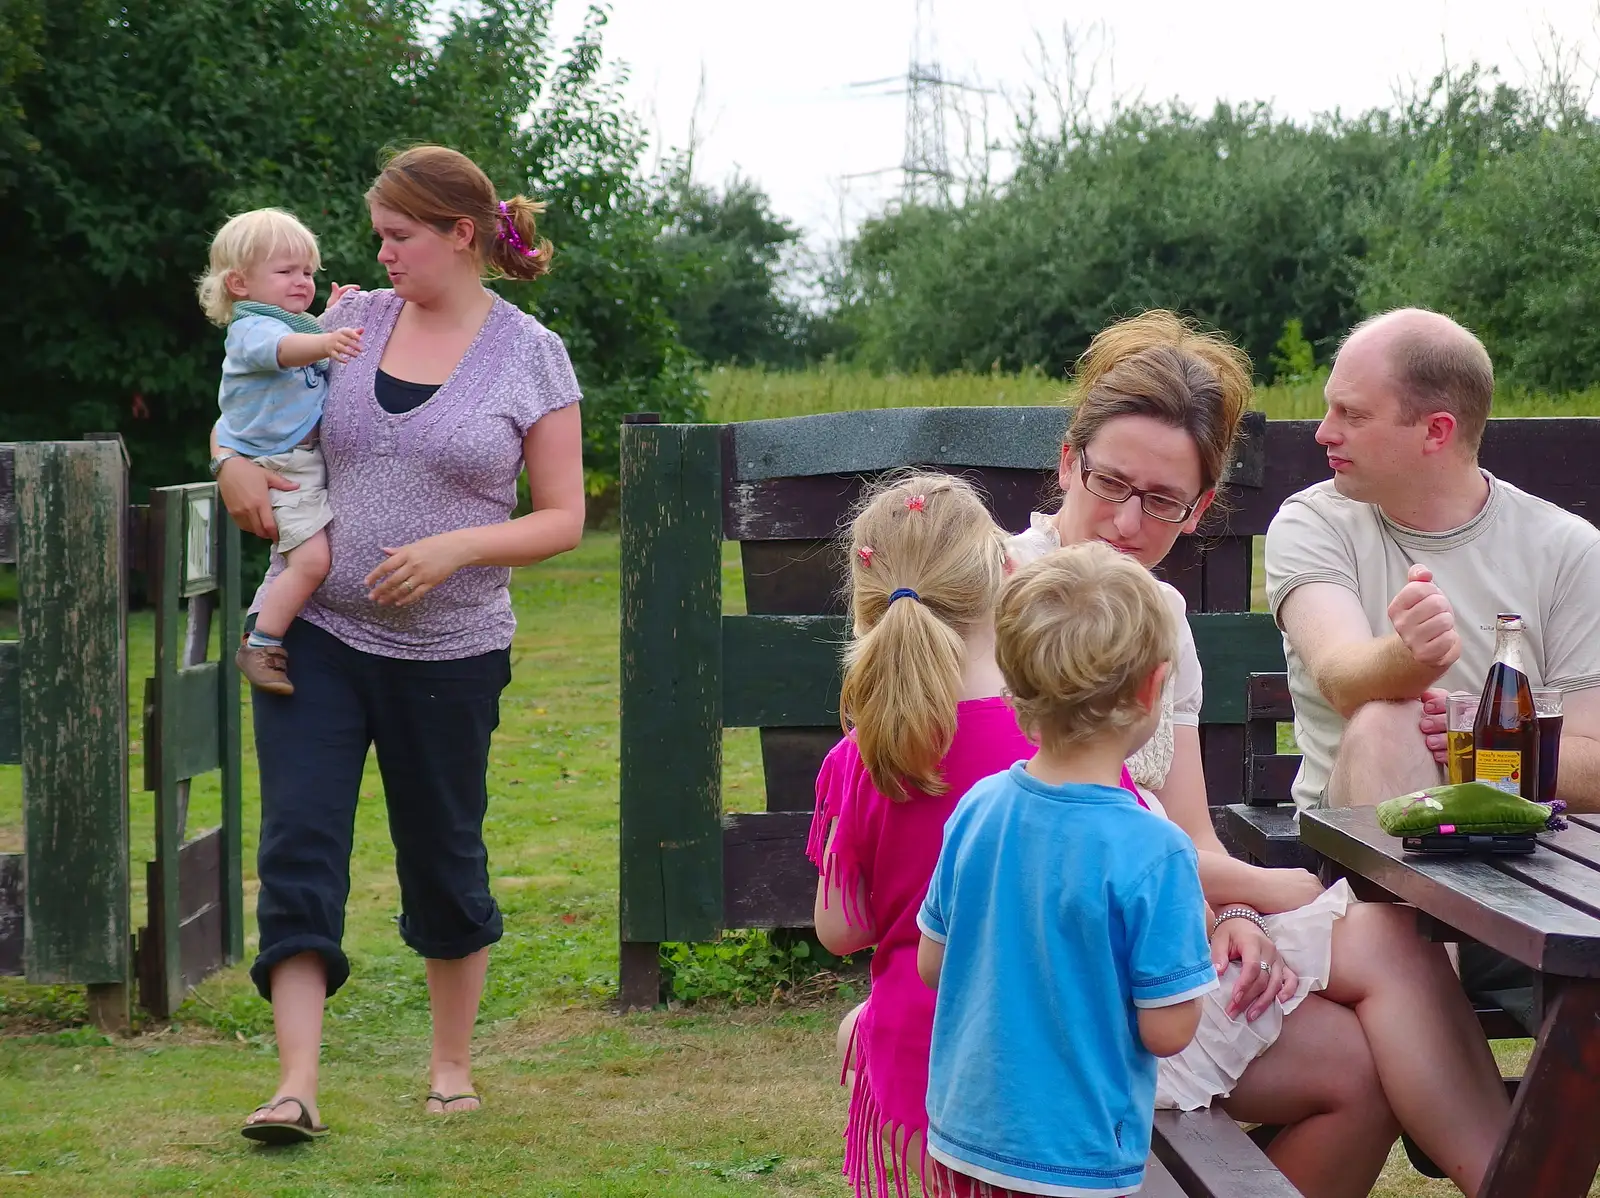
x=579 y=1100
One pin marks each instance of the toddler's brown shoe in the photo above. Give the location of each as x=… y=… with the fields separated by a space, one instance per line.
x=266 y=667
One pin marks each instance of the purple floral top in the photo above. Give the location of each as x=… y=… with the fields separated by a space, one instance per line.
x=451 y=463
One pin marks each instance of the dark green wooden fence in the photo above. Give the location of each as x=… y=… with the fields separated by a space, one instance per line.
x=191 y=722
x=65 y=917
x=72 y=728
x=783 y=489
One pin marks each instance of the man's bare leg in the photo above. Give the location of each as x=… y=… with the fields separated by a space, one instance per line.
x=1382 y=754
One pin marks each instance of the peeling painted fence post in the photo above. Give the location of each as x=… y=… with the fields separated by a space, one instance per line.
x=65 y=916
x=71 y=653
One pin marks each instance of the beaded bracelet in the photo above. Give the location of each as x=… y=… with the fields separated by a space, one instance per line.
x=1240 y=913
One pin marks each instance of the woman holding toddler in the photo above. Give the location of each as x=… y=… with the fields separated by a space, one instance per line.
x=449 y=393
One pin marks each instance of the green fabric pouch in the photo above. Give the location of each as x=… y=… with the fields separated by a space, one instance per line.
x=1467 y=807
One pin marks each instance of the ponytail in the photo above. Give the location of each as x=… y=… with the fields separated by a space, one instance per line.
x=901 y=684
x=518 y=252
x=926 y=563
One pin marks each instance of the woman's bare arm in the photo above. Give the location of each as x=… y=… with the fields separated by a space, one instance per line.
x=553 y=451
x=246 y=491
x=1224 y=878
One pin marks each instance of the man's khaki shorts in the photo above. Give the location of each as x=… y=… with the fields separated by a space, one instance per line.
x=300 y=514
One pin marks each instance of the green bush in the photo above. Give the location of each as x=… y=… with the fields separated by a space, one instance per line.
x=1505 y=237
x=1293 y=359
x=1472 y=197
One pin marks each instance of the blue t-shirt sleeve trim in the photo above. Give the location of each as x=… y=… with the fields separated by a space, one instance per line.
x=930 y=929
x=1169 y=952
x=1194 y=983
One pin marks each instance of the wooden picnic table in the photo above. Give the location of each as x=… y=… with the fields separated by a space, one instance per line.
x=1543 y=909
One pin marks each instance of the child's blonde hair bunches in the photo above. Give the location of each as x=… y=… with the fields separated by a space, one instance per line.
x=931 y=534
x=1076 y=633
x=246 y=241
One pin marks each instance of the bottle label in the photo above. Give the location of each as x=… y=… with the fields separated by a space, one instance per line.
x=1500 y=768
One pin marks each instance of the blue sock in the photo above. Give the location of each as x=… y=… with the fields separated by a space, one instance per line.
x=260 y=640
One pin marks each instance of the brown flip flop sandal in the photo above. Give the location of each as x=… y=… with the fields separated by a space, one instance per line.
x=444 y=1100
x=277 y=1132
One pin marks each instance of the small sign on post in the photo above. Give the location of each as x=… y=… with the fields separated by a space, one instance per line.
x=199 y=559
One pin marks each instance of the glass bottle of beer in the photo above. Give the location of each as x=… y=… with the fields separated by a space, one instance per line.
x=1505 y=736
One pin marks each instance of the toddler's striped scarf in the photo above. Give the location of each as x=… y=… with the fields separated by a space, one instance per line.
x=300 y=322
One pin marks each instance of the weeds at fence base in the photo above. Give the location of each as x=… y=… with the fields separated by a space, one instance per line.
x=759 y=968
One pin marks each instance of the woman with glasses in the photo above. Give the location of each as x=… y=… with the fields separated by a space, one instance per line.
x=1335 y=1020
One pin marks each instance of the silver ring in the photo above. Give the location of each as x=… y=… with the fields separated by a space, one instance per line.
x=1266 y=968
x=408 y=584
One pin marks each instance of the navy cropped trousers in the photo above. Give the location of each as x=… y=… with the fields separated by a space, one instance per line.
x=430 y=722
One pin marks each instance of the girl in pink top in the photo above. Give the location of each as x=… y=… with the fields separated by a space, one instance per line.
x=922 y=699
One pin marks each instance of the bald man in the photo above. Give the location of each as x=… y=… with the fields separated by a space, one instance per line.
x=1386 y=578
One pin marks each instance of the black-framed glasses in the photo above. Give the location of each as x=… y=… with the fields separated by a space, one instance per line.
x=1169 y=509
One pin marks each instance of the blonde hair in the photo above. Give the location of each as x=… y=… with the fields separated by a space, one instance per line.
x=246 y=241
x=1076 y=634
x=438 y=186
x=1159 y=365
x=931 y=534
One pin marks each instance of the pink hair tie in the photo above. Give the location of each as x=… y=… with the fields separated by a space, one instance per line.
x=865 y=554
x=508 y=232
x=916 y=503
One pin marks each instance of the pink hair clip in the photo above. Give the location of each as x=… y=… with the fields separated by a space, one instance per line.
x=508 y=232
x=916 y=503
x=865 y=554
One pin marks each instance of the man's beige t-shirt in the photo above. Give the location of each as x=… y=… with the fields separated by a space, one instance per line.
x=1519 y=554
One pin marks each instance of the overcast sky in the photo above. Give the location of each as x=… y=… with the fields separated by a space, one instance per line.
x=779 y=104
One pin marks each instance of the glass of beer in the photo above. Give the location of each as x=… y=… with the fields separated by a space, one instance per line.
x=1547 y=703
x=1461 y=712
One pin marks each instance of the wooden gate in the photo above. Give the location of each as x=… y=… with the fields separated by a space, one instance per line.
x=191 y=727
x=65 y=913
x=64 y=718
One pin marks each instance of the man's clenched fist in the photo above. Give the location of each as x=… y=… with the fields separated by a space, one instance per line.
x=1424 y=622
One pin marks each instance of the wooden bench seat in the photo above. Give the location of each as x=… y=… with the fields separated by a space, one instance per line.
x=1211 y=1156
x=691 y=668
x=1266 y=836
x=1158 y=1182
x=1262 y=828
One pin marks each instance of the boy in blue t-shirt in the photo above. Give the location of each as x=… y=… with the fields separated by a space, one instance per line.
x=259 y=286
x=1064 y=926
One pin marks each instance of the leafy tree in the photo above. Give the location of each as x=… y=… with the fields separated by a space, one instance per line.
x=153 y=120
x=726 y=251
x=1494 y=221
x=21 y=23
x=1242 y=219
